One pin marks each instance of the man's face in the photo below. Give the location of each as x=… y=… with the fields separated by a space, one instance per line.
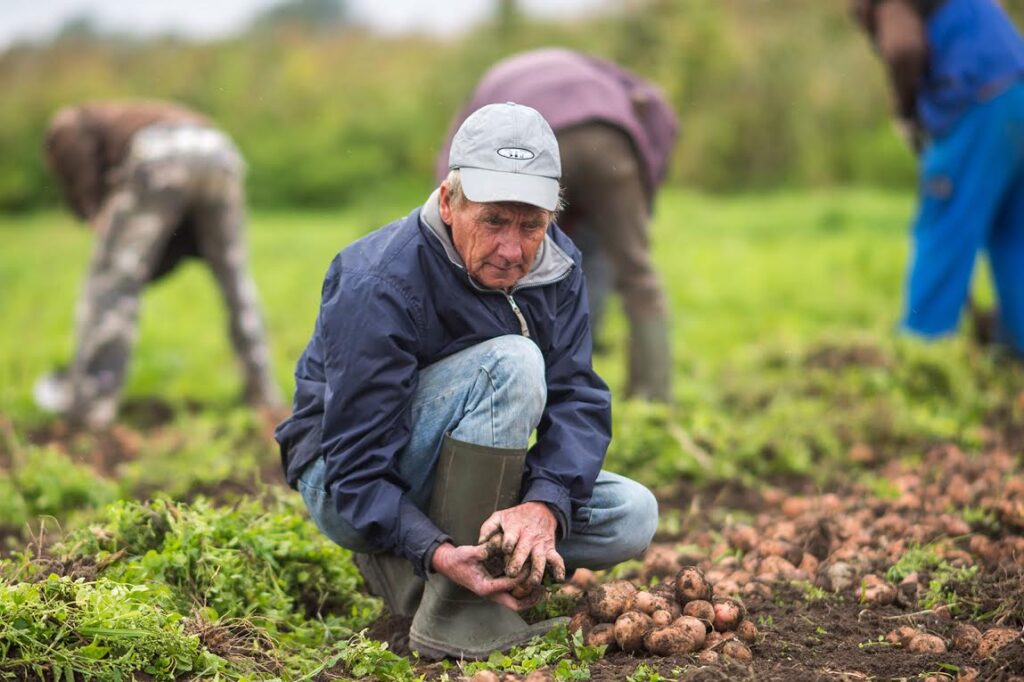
x=497 y=241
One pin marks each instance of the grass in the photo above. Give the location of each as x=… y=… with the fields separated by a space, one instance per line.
x=741 y=273
x=784 y=308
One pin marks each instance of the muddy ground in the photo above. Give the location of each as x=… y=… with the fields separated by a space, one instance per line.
x=777 y=548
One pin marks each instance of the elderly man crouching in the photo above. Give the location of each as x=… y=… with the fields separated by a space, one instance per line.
x=443 y=341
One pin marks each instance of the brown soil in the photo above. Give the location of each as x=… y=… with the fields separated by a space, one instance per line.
x=782 y=564
x=808 y=630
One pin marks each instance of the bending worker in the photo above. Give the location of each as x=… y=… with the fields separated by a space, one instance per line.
x=444 y=340
x=616 y=133
x=157 y=183
x=956 y=68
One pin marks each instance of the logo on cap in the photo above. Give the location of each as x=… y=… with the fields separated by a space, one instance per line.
x=516 y=153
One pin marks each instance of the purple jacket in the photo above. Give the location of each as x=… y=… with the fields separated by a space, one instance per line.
x=569 y=88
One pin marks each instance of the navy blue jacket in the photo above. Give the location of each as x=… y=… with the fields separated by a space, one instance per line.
x=399 y=300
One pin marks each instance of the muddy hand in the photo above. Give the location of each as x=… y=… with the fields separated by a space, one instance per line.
x=464 y=565
x=528 y=532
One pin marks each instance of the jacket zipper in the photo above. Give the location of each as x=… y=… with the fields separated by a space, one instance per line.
x=519 y=315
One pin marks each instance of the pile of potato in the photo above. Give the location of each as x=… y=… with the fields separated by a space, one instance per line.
x=678 y=616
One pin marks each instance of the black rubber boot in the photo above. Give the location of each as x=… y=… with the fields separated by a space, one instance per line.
x=471 y=483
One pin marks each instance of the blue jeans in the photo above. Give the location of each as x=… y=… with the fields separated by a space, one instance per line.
x=493 y=394
x=972 y=198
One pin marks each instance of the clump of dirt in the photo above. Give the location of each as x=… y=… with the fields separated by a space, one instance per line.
x=393 y=629
x=1005 y=665
x=237 y=640
x=835 y=357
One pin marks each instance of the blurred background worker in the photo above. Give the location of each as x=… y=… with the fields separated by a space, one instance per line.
x=956 y=68
x=157 y=183
x=615 y=132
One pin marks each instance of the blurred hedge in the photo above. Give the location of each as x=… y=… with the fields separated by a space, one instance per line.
x=771 y=93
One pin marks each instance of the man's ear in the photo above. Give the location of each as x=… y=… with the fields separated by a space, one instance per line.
x=445 y=204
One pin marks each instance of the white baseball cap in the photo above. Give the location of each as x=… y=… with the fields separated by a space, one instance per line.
x=507 y=152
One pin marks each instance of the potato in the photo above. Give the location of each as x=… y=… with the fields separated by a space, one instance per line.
x=728 y=614
x=927 y=644
x=968 y=674
x=966 y=638
x=774 y=568
x=707 y=657
x=526 y=590
x=691 y=584
x=570 y=591
x=485 y=676
x=608 y=601
x=660 y=561
x=662 y=618
x=995 y=639
x=743 y=538
x=581 y=621
x=878 y=595
x=701 y=610
x=643 y=601
x=780 y=548
x=542 y=675
x=602 y=634
x=902 y=635
x=747 y=632
x=757 y=594
x=737 y=651
x=669 y=641
x=630 y=629
x=696 y=628
x=584 y=578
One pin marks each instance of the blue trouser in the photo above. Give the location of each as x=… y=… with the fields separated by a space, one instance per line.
x=493 y=394
x=972 y=197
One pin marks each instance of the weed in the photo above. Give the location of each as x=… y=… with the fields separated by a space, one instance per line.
x=645 y=673
x=940 y=574
x=568 y=655
x=879 y=643
x=62 y=628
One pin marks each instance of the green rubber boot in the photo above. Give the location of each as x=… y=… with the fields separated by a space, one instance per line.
x=472 y=482
x=650 y=360
x=391 y=578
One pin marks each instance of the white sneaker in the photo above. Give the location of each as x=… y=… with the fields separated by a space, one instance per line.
x=51 y=393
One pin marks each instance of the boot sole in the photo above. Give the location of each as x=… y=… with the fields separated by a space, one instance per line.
x=436 y=649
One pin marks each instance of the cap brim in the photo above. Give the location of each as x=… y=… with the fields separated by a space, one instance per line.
x=484 y=186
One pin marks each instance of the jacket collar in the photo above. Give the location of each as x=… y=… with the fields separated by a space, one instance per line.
x=551 y=264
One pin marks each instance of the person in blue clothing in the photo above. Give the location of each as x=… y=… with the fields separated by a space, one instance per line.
x=956 y=67
x=444 y=341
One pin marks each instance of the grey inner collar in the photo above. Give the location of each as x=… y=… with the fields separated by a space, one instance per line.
x=550 y=265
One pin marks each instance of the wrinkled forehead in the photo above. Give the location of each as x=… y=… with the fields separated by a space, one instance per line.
x=513 y=208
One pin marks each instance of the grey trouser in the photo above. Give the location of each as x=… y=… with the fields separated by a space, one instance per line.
x=152 y=200
x=605 y=192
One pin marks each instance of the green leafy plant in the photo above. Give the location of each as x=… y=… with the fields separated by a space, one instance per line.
x=568 y=657
x=59 y=628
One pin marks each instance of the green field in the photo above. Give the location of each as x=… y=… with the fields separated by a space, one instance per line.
x=755 y=283
x=784 y=309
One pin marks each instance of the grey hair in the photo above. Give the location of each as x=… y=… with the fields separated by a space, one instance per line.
x=457 y=196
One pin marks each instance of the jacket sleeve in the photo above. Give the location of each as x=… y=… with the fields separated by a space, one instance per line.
x=901 y=42
x=575 y=429
x=73 y=156
x=299 y=435
x=369 y=330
